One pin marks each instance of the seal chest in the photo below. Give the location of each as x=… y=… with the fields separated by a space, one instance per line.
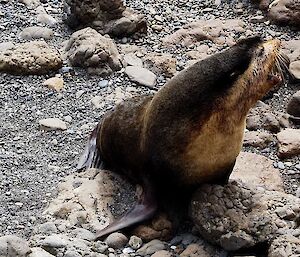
x=212 y=151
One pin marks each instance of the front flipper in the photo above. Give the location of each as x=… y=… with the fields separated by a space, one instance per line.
x=144 y=209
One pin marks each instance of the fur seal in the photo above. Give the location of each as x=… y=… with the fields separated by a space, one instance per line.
x=189 y=132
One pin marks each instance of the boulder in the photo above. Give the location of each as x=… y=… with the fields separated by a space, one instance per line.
x=106 y=16
x=237 y=215
x=35 y=57
x=285 y=12
x=89 y=49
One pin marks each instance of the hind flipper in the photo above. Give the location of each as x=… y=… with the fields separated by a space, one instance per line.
x=144 y=209
x=90 y=157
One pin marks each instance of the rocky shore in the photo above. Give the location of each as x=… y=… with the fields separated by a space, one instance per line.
x=64 y=64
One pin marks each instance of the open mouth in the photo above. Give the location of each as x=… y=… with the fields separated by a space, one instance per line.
x=280 y=71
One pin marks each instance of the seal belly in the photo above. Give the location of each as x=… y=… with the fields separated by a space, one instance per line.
x=212 y=152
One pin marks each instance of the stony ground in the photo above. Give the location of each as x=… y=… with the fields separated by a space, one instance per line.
x=33 y=162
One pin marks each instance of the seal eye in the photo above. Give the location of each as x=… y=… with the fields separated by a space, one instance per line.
x=260 y=51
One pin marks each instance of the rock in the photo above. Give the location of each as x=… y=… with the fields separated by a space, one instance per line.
x=55 y=83
x=31 y=3
x=116 y=240
x=151 y=247
x=36 y=32
x=87 y=48
x=288 y=143
x=197 y=250
x=106 y=16
x=239 y=216
x=46 y=19
x=13 y=246
x=162 y=253
x=271 y=123
x=35 y=57
x=83 y=198
x=257 y=170
x=293 y=107
x=158 y=228
x=52 y=124
x=295 y=69
x=54 y=241
x=257 y=139
x=204 y=30
x=83 y=234
x=135 y=242
x=252 y=122
x=285 y=12
x=132 y=60
x=47 y=228
x=161 y=64
x=39 y=252
x=141 y=76
x=286 y=245
x=100 y=247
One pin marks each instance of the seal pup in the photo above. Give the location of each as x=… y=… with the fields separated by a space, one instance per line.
x=189 y=132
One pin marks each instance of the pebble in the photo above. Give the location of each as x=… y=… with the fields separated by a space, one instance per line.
x=141 y=76
x=135 y=242
x=103 y=83
x=39 y=252
x=116 y=240
x=54 y=241
x=55 y=83
x=151 y=247
x=52 y=124
x=100 y=247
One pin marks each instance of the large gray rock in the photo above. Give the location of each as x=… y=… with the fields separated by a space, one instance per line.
x=83 y=200
x=285 y=12
x=238 y=216
x=13 y=246
x=99 y=54
x=106 y=16
x=256 y=169
x=35 y=57
x=213 y=29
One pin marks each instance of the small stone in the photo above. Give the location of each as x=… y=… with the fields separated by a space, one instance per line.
x=46 y=19
x=258 y=19
x=295 y=69
x=54 y=241
x=280 y=165
x=36 y=32
x=162 y=253
x=83 y=234
x=116 y=240
x=47 y=228
x=52 y=124
x=71 y=253
x=135 y=242
x=100 y=247
x=13 y=246
x=103 y=83
x=151 y=247
x=55 y=83
x=289 y=143
x=132 y=60
x=39 y=252
x=293 y=107
x=141 y=76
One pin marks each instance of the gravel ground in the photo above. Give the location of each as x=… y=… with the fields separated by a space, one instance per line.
x=32 y=162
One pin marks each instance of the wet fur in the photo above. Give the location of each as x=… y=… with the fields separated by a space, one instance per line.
x=189 y=133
